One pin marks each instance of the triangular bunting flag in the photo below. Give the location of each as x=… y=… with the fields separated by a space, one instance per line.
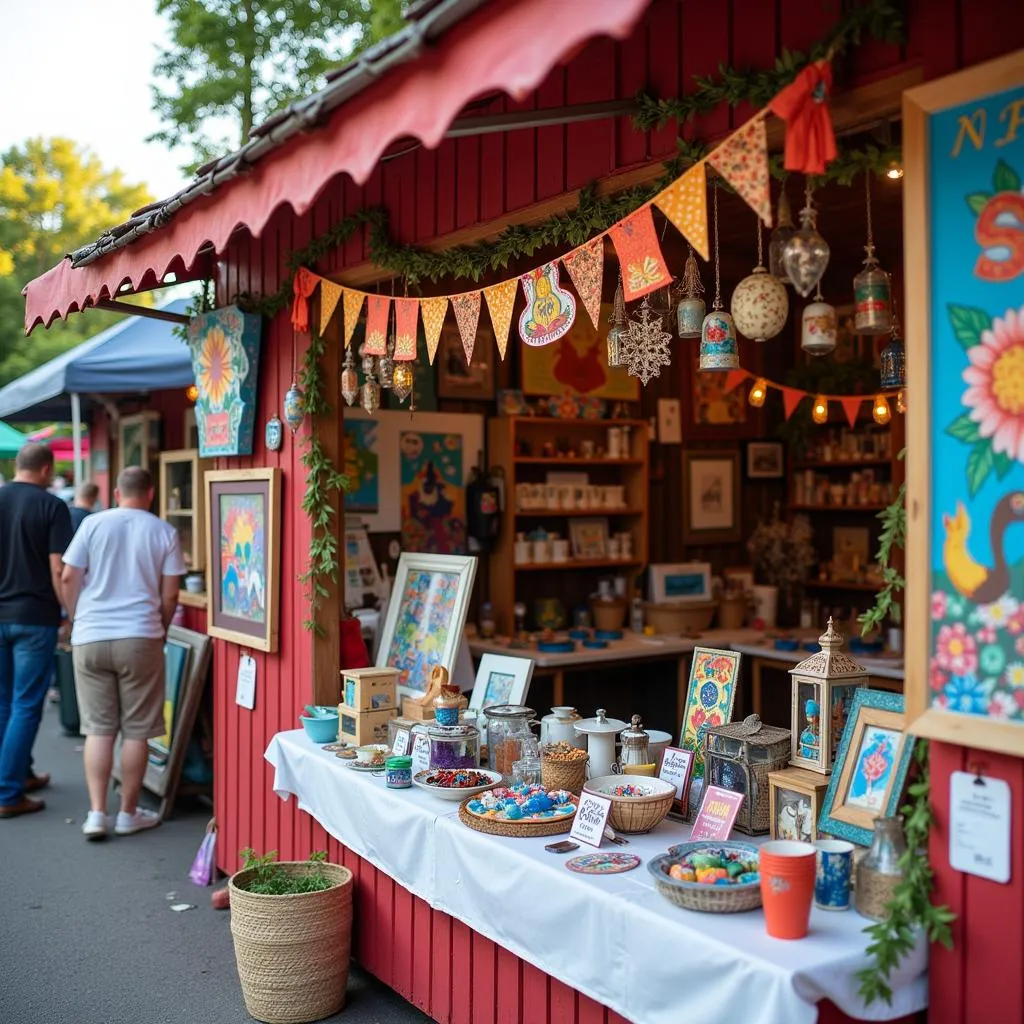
x=636 y=243
x=851 y=406
x=585 y=266
x=500 y=300
x=407 y=313
x=685 y=203
x=734 y=378
x=351 y=304
x=550 y=310
x=302 y=287
x=378 y=309
x=433 y=312
x=791 y=398
x=330 y=293
x=467 y=316
x=743 y=161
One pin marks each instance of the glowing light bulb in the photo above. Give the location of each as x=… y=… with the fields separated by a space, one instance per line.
x=894 y=171
x=758 y=391
x=901 y=400
x=819 y=413
x=881 y=411
x=192 y=392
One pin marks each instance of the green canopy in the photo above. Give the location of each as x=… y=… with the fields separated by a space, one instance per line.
x=11 y=441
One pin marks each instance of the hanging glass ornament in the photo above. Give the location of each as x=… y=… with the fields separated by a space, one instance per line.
x=784 y=231
x=760 y=303
x=718 y=350
x=618 y=326
x=349 y=379
x=758 y=392
x=690 y=311
x=894 y=361
x=401 y=382
x=369 y=394
x=386 y=364
x=881 y=412
x=872 y=292
x=645 y=344
x=805 y=255
x=294 y=407
x=818 y=327
x=369 y=362
x=819 y=411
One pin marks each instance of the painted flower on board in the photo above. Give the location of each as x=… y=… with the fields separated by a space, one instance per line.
x=1015 y=623
x=1002 y=706
x=955 y=650
x=992 y=659
x=938 y=678
x=967 y=694
x=1015 y=674
x=955 y=606
x=998 y=613
x=215 y=373
x=938 y=605
x=985 y=635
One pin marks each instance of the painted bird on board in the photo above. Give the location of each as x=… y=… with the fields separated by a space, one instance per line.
x=982 y=584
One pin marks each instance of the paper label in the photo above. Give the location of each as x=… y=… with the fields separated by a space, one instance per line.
x=718 y=811
x=590 y=819
x=420 y=753
x=979 y=826
x=675 y=768
x=401 y=744
x=245 y=690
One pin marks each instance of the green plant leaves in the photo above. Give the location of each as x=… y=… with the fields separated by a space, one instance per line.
x=968 y=322
x=1005 y=178
x=963 y=428
x=980 y=463
x=977 y=200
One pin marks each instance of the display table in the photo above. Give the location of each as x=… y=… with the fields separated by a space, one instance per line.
x=614 y=939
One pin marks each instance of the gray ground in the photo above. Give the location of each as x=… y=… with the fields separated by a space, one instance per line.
x=86 y=933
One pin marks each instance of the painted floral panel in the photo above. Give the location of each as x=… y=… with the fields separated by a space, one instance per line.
x=709 y=700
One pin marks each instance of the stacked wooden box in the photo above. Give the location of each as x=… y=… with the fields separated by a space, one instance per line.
x=369 y=699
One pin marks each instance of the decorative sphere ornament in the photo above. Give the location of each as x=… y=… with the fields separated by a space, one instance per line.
x=273 y=434
x=718 y=349
x=784 y=231
x=294 y=407
x=760 y=305
x=401 y=382
x=369 y=395
x=805 y=255
x=818 y=328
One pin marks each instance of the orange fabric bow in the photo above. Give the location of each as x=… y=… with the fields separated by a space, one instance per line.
x=302 y=287
x=803 y=105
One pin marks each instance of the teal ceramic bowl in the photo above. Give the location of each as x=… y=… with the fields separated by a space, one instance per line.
x=321 y=730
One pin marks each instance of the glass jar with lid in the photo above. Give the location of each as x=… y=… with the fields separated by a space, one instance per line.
x=454 y=746
x=447 y=705
x=508 y=728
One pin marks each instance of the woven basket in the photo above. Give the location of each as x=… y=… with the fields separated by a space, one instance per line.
x=568 y=775
x=632 y=814
x=709 y=899
x=293 y=951
x=514 y=829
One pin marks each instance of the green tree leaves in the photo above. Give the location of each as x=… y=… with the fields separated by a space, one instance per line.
x=968 y=323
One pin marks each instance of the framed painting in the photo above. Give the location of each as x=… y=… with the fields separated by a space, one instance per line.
x=711 y=482
x=684 y=581
x=589 y=538
x=765 y=460
x=501 y=679
x=432 y=476
x=362 y=464
x=714 y=676
x=243 y=536
x=870 y=770
x=457 y=379
x=425 y=617
x=138 y=438
x=965 y=287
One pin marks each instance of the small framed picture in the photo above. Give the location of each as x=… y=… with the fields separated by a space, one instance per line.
x=501 y=679
x=684 y=581
x=765 y=460
x=711 y=505
x=589 y=538
x=796 y=796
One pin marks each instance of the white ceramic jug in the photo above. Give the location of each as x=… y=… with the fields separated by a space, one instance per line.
x=558 y=728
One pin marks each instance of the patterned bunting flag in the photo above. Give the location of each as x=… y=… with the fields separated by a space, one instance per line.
x=351 y=304
x=743 y=161
x=467 y=316
x=433 y=311
x=791 y=398
x=330 y=293
x=636 y=243
x=378 y=309
x=685 y=203
x=407 y=313
x=585 y=266
x=500 y=300
x=851 y=406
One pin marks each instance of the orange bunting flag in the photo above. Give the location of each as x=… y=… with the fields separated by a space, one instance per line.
x=803 y=105
x=330 y=293
x=851 y=406
x=407 y=314
x=467 y=316
x=734 y=378
x=585 y=267
x=351 y=305
x=500 y=300
x=378 y=310
x=742 y=159
x=302 y=287
x=636 y=243
x=791 y=398
x=685 y=203
x=433 y=312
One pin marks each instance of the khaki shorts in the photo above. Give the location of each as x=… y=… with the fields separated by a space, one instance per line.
x=120 y=687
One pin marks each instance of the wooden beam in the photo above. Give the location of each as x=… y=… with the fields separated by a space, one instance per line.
x=538 y=118
x=113 y=306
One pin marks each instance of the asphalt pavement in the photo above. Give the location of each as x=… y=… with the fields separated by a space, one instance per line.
x=86 y=930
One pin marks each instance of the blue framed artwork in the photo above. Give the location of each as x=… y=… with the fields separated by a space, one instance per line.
x=225 y=347
x=870 y=770
x=964 y=210
x=686 y=581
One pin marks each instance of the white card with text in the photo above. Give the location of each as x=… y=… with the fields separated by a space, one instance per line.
x=675 y=768
x=979 y=826
x=590 y=819
x=420 y=753
x=245 y=690
x=401 y=745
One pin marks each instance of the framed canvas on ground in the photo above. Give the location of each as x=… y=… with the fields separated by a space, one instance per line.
x=243 y=532
x=965 y=293
x=711 y=487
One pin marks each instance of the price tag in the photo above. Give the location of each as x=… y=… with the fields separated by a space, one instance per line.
x=420 y=753
x=718 y=811
x=590 y=819
x=245 y=690
x=401 y=744
x=675 y=768
x=979 y=826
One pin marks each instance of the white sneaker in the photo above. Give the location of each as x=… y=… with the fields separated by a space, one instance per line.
x=128 y=824
x=96 y=825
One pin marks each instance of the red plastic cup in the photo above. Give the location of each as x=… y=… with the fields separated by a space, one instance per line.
x=787 y=887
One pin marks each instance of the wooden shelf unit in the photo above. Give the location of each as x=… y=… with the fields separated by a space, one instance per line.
x=183 y=502
x=510 y=582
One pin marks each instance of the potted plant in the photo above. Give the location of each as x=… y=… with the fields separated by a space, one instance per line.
x=291 y=923
x=783 y=556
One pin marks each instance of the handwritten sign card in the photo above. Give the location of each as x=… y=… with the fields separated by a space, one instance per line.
x=718 y=811
x=676 y=767
x=979 y=826
x=590 y=819
x=401 y=745
x=245 y=689
x=420 y=753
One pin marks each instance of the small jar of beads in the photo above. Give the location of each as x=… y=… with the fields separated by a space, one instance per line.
x=447 y=705
x=454 y=746
x=398 y=772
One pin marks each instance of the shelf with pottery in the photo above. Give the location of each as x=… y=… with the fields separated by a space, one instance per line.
x=568 y=513
x=183 y=501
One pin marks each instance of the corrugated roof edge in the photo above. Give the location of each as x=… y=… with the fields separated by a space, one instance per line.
x=302 y=115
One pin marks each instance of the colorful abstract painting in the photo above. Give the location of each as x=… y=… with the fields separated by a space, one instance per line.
x=242 y=550
x=709 y=699
x=499 y=688
x=433 y=493
x=362 y=465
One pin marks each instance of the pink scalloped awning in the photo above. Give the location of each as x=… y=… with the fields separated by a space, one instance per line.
x=507 y=46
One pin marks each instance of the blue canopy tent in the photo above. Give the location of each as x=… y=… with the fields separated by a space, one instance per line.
x=11 y=441
x=137 y=355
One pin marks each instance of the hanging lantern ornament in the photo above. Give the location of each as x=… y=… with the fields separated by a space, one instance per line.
x=819 y=411
x=805 y=255
x=349 y=379
x=369 y=394
x=369 y=362
x=872 y=293
x=818 y=327
x=760 y=304
x=758 y=392
x=718 y=349
x=894 y=360
x=401 y=382
x=294 y=407
x=645 y=344
x=618 y=326
x=690 y=311
x=784 y=231
x=880 y=411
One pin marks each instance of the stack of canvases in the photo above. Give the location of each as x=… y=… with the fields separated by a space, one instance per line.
x=369 y=700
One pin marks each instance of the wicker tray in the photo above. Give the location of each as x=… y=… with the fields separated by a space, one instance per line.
x=515 y=829
x=710 y=899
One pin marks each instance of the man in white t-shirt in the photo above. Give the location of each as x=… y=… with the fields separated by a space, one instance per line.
x=120 y=582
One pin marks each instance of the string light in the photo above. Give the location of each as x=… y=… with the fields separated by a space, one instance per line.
x=901 y=400
x=819 y=413
x=881 y=412
x=894 y=171
x=192 y=393
x=758 y=391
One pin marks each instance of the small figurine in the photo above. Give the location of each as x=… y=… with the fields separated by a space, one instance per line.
x=810 y=738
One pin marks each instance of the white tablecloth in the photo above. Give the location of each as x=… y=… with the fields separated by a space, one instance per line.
x=612 y=938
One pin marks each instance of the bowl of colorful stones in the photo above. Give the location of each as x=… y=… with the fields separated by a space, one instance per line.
x=456 y=783
x=520 y=810
x=715 y=877
x=638 y=803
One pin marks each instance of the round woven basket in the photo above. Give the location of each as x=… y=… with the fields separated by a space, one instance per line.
x=514 y=829
x=568 y=775
x=709 y=899
x=293 y=951
x=633 y=813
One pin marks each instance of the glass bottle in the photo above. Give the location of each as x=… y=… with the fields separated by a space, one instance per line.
x=508 y=730
x=879 y=871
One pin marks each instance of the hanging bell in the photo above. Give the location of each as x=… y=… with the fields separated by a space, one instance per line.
x=401 y=381
x=805 y=255
x=349 y=380
x=818 y=327
x=718 y=349
x=784 y=231
x=872 y=298
x=894 y=363
x=617 y=330
x=690 y=311
x=294 y=407
x=369 y=395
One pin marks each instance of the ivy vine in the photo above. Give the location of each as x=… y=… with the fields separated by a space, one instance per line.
x=893 y=535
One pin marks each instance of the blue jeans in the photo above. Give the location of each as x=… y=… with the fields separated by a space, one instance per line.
x=26 y=658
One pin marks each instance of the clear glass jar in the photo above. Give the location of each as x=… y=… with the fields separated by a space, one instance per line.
x=508 y=728
x=454 y=746
x=879 y=870
x=447 y=705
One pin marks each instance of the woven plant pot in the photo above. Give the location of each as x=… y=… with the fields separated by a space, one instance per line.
x=569 y=775
x=293 y=951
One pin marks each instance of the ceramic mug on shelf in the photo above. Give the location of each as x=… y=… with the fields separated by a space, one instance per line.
x=614 y=497
x=541 y=551
x=523 y=551
x=565 y=496
x=580 y=497
x=614 y=548
x=587 y=449
x=548 y=495
x=614 y=442
x=560 y=551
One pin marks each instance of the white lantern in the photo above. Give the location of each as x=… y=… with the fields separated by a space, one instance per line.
x=760 y=303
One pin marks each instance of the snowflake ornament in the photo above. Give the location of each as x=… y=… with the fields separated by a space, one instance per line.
x=645 y=345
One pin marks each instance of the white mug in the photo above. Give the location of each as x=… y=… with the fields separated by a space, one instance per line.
x=541 y=551
x=614 y=546
x=560 y=551
x=523 y=550
x=614 y=442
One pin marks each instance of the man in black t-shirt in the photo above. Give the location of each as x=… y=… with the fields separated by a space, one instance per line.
x=35 y=530
x=84 y=503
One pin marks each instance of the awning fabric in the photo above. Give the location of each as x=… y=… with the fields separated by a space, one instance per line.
x=11 y=441
x=506 y=45
x=137 y=354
